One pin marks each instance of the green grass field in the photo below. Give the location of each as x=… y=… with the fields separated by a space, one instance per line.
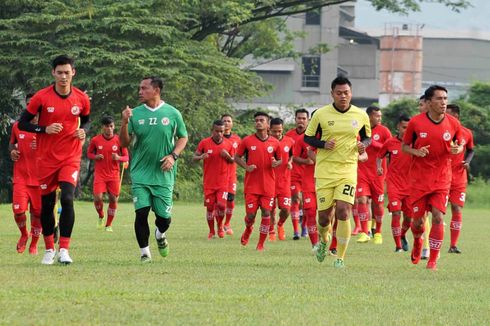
x=220 y=282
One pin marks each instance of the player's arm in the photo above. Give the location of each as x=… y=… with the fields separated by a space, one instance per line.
x=199 y=155
x=365 y=139
x=91 y=150
x=124 y=136
x=83 y=128
x=457 y=146
x=227 y=156
x=241 y=162
x=124 y=157
x=299 y=160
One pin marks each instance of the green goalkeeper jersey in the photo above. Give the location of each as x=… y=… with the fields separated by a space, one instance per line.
x=155 y=131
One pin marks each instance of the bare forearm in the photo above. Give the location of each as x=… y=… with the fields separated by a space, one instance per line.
x=180 y=145
x=124 y=137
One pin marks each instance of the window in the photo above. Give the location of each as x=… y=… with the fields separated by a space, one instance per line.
x=313 y=17
x=311 y=71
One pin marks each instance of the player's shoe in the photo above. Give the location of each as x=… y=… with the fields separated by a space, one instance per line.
x=145 y=259
x=100 y=223
x=296 y=236
x=339 y=263
x=33 y=249
x=304 y=231
x=162 y=244
x=109 y=229
x=356 y=231
x=415 y=256
x=454 y=250
x=21 y=244
x=49 y=256
x=333 y=252
x=398 y=249
x=246 y=235
x=228 y=230
x=211 y=235
x=221 y=232
x=432 y=265
x=378 y=239
x=272 y=237
x=321 y=252
x=405 y=245
x=280 y=233
x=363 y=238
x=64 y=257
x=425 y=254
x=260 y=247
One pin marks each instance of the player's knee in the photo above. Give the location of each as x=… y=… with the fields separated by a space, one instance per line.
x=162 y=223
x=142 y=214
x=48 y=201
x=230 y=197
x=67 y=193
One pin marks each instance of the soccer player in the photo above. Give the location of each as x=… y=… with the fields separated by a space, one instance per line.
x=262 y=154
x=215 y=152
x=457 y=194
x=283 y=179
x=23 y=151
x=338 y=125
x=301 y=117
x=230 y=201
x=432 y=139
x=396 y=181
x=425 y=250
x=155 y=125
x=370 y=185
x=422 y=104
x=105 y=149
x=64 y=112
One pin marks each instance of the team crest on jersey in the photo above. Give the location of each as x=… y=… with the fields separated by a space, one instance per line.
x=446 y=136
x=44 y=186
x=114 y=147
x=235 y=145
x=50 y=109
x=75 y=110
x=100 y=147
x=22 y=136
x=165 y=121
x=355 y=124
x=359 y=189
x=286 y=149
x=253 y=147
x=415 y=209
x=250 y=205
x=395 y=152
x=331 y=123
x=16 y=206
x=270 y=149
x=376 y=137
x=423 y=135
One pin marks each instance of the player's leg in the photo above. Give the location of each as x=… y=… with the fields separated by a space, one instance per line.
x=111 y=211
x=364 y=216
x=67 y=220
x=419 y=204
x=251 y=207
x=162 y=203
x=438 y=202
x=406 y=224
x=19 y=208
x=357 y=221
x=295 y=203
x=378 y=208
x=309 y=214
x=326 y=210
x=396 y=229
x=99 y=207
x=47 y=223
x=457 y=199
x=230 y=206
x=220 y=204
x=209 y=203
x=332 y=249
x=283 y=215
x=35 y=212
x=266 y=204
x=142 y=231
x=272 y=225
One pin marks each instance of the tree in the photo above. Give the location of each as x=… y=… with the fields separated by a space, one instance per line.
x=392 y=112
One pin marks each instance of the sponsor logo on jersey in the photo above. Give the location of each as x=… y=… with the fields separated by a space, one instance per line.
x=253 y=147
x=355 y=124
x=415 y=209
x=135 y=199
x=75 y=110
x=359 y=189
x=100 y=147
x=270 y=149
x=376 y=137
x=307 y=200
x=22 y=136
x=286 y=149
x=250 y=205
x=114 y=147
x=322 y=199
x=395 y=152
x=331 y=123
x=141 y=121
x=50 y=109
x=423 y=135
x=165 y=121
x=210 y=151
x=394 y=203
x=44 y=186
x=16 y=206
x=446 y=136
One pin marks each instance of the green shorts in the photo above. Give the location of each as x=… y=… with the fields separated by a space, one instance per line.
x=159 y=198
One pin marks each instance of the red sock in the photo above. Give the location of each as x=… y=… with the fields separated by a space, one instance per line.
x=64 y=243
x=355 y=215
x=435 y=241
x=49 y=241
x=406 y=224
x=281 y=220
x=20 y=220
x=363 y=212
x=396 y=230
x=99 y=207
x=310 y=217
x=210 y=219
x=379 y=211
x=333 y=243
x=220 y=216
x=230 y=205
x=455 y=226
x=295 y=216
x=36 y=229
x=264 y=229
x=111 y=212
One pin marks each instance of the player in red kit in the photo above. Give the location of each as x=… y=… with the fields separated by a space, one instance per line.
x=262 y=154
x=283 y=179
x=232 y=179
x=369 y=183
x=301 y=117
x=23 y=151
x=457 y=194
x=432 y=138
x=63 y=117
x=396 y=181
x=215 y=151
x=107 y=152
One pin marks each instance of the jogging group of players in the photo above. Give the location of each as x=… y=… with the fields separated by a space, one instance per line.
x=320 y=173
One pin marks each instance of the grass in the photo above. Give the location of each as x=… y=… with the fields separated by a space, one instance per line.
x=220 y=282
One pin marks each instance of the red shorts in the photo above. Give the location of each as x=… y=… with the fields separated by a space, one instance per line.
x=110 y=186
x=254 y=201
x=373 y=188
x=232 y=188
x=423 y=202
x=457 y=195
x=215 y=196
x=296 y=187
x=23 y=195
x=398 y=202
x=50 y=177
x=309 y=200
x=283 y=202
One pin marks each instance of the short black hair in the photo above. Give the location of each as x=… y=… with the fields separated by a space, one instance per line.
x=261 y=114
x=422 y=97
x=429 y=92
x=63 y=60
x=454 y=108
x=226 y=115
x=302 y=110
x=156 y=82
x=372 y=108
x=403 y=117
x=218 y=123
x=340 y=80
x=107 y=120
x=276 y=121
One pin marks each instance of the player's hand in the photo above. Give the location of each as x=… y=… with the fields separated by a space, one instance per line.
x=224 y=153
x=54 y=128
x=422 y=151
x=379 y=171
x=204 y=156
x=14 y=155
x=290 y=165
x=126 y=114
x=363 y=157
x=250 y=168
x=167 y=163
x=99 y=157
x=330 y=144
x=361 y=148
x=115 y=157
x=275 y=163
x=456 y=148
x=80 y=134
x=466 y=165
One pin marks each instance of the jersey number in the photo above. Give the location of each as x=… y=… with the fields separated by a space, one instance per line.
x=153 y=121
x=348 y=190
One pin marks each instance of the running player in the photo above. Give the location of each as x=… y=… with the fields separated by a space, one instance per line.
x=215 y=152
x=429 y=139
x=262 y=154
x=155 y=125
x=107 y=152
x=63 y=122
x=457 y=195
x=338 y=125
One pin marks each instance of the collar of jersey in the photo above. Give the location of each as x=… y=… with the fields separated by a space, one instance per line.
x=339 y=111
x=154 y=109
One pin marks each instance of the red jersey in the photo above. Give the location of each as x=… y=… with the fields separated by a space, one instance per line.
x=399 y=166
x=25 y=169
x=235 y=141
x=459 y=176
x=215 y=167
x=300 y=149
x=432 y=172
x=262 y=180
x=107 y=168
x=367 y=170
x=297 y=171
x=61 y=148
x=283 y=174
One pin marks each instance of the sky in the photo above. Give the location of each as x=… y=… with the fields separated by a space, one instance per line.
x=434 y=16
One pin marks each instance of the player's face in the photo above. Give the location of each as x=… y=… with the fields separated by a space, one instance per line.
x=422 y=106
x=217 y=133
x=342 y=96
x=402 y=127
x=451 y=112
x=276 y=131
x=63 y=74
x=228 y=121
x=375 y=118
x=147 y=92
x=438 y=103
x=108 y=130
x=261 y=123
x=301 y=120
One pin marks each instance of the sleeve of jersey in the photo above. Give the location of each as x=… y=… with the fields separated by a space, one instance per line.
x=296 y=150
x=125 y=154
x=13 y=135
x=91 y=150
x=471 y=143
x=242 y=147
x=86 y=105
x=312 y=126
x=367 y=125
x=384 y=149
x=458 y=132
x=200 y=146
x=181 y=129
x=277 y=152
x=34 y=105
x=408 y=137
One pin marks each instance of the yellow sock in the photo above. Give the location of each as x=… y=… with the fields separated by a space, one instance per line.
x=343 y=237
x=324 y=232
x=426 y=233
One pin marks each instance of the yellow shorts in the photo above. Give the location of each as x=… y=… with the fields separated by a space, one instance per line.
x=330 y=190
